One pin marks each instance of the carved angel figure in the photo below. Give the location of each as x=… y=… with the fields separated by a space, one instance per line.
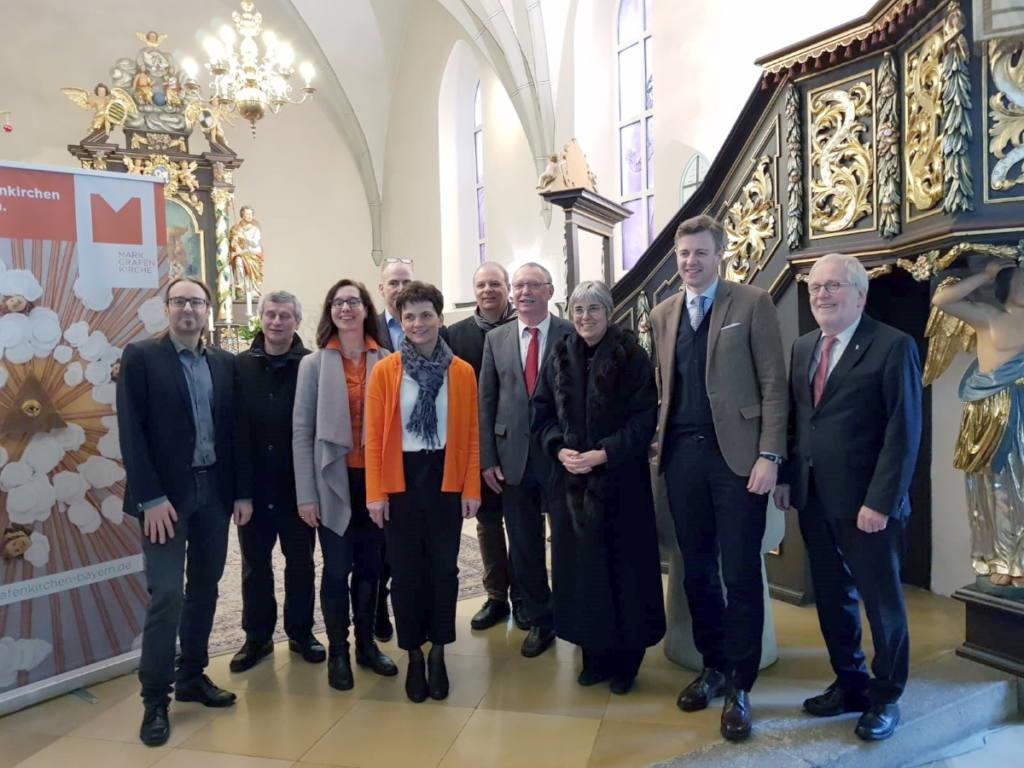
x=551 y=173
x=111 y=107
x=990 y=447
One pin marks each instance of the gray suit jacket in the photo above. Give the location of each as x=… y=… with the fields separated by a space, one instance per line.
x=322 y=435
x=746 y=372
x=504 y=403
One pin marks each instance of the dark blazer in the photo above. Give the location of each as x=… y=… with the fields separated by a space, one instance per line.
x=385 y=334
x=466 y=338
x=862 y=439
x=504 y=402
x=158 y=436
x=264 y=399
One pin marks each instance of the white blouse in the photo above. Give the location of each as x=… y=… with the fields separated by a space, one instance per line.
x=408 y=392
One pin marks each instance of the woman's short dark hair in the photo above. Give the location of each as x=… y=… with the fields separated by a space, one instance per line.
x=416 y=292
x=371 y=326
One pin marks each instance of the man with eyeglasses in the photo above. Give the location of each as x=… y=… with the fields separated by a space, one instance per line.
x=175 y=415
x=855 y=399
x=721 y=436
x=514 y=465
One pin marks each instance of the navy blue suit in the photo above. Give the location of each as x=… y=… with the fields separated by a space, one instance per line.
x=857 y=447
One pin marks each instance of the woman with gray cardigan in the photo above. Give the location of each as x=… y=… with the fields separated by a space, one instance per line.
x=330 y=475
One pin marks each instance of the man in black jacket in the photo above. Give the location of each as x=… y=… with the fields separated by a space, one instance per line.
x=175 y=414
x=265 y=377
x=466 y=338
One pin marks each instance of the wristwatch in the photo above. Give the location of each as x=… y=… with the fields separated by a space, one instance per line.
x=774 y=458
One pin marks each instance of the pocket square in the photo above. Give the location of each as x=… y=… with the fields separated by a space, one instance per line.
x=731 y=325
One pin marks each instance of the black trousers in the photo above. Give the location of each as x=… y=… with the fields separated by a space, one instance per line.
x=847 y=563
x=259 y=606
x=499 y=579
x=196 y=555
x=358 y=552
x=621 y=662
x=423 y=535
x=719 y=526
x=525 y=505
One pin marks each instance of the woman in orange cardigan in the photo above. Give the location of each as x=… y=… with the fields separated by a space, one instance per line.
x=422 y=480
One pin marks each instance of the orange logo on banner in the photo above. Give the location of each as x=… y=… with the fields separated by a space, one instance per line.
x=123 y=227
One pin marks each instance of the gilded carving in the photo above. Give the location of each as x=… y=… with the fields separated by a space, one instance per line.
x=922 y=149
x=179 y=177
x=842 y=164
x=794 y=170
x=158 y=142
x=1006 y=112
x=888 y=150
x=956 y=106
x=750 y=223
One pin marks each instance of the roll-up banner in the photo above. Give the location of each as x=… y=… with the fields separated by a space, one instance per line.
x=82 y=256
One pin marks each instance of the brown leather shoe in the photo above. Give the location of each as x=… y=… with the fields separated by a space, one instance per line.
x=736 y=715
x=710 y=684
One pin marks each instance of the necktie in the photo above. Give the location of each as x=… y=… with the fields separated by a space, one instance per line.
x=821 y=373
x=532 y=361
x=698 y=312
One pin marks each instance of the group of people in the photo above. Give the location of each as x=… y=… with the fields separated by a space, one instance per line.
x=397 y=429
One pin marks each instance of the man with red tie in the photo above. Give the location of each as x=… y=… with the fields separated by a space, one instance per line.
x=855 y=429
x=514 y=465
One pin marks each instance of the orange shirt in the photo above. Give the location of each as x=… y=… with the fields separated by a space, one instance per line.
x=355 y=383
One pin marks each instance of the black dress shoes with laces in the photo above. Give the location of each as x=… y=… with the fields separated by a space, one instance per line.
x=879 y=722
x=203 y=691
x=492 y=612
x=836 y=701
x=736 y=715
x=309 y=648
x=709 y=685
x=537 y=641
x=156 y=728
x=250 y=654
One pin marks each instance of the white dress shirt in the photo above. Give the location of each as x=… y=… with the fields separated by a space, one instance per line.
x=395 y=330
x=542 y=339
x=842 y=342
x=691 y=300
x=408 y=391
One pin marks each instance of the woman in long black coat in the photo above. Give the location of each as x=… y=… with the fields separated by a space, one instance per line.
x=595 y=412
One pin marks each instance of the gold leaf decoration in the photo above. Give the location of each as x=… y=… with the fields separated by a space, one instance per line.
x=888 y=149
x=1006 y=111
x=794 y=170
x=922 y=151
x=842 y=166
x=750 y=223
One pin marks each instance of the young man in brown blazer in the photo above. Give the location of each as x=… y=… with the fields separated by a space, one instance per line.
x=721 y=437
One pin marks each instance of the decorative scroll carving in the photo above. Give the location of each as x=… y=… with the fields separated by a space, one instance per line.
x=750 y=223
x=158 y=141
x=1006 y=111
x=794 y=170
x=956 y=106
x=922 y=149
x=888 y=149
x=842 y=164
x=179 y=177
x=929 y=264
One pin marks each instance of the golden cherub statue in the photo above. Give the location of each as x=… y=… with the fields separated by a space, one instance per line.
x=111 y=107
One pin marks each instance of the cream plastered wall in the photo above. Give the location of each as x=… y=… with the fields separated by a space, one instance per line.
x=298 y=175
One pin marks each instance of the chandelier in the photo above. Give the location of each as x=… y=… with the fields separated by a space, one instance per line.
x=243 y=80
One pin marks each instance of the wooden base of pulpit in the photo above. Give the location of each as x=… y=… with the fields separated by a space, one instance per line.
x=995 y=628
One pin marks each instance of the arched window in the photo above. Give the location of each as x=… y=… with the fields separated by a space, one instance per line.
x=478 y=153
x=636 y=142
x=693 y=175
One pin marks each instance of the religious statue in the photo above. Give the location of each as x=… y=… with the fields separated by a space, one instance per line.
x=990 y=447
x=643 y=324
x=142 y=84
x=551 y=172
x=568 y=170
x=246 y=255
x=110 y=107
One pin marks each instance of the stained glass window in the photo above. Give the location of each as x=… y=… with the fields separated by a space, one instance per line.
x=693 y=175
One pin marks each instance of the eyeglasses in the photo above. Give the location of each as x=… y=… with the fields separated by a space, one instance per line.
x=353 y=303
x=591 y=310
x=832 y=286
x=180 y=302
x=533 y=285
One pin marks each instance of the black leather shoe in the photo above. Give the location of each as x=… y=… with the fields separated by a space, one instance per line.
x=416 y=677
x=309 y=648
x=437 y=674
x=537 y=641
x=383 y=630
x=156 y=728
x=339 y=672
x=592 y=676
x=836 y=701
x=736 y=715
x=250 y=654
x=879 y=722
x=622 y=684
x=710 y=684
x=369 y=655
x=492 y=612
x=519 y=615
x=203 y=691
